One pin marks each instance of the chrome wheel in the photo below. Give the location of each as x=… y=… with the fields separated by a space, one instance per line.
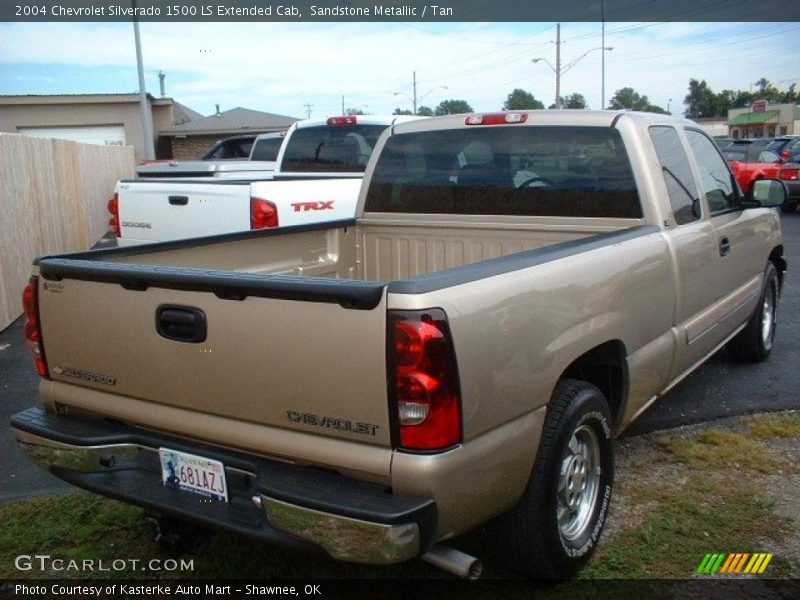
x=578 y=483
x=768 y=316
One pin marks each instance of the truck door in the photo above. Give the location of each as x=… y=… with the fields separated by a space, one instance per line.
x=741 y=256
x=694 y=252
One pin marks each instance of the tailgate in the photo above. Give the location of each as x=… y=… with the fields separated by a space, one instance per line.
x=305 y=200
x=169 y=210
x=282 y=351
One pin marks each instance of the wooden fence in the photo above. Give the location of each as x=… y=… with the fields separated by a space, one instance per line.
x=53 y=197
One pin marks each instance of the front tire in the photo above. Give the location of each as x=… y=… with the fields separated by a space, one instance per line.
x=754 y=342
x=554 y=529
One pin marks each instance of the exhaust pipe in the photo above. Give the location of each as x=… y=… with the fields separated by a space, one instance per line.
x=454 y=561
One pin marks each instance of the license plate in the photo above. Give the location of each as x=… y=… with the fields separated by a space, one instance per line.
x=192 y=473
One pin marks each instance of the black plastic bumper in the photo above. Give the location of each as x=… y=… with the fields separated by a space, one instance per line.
x=122 y=462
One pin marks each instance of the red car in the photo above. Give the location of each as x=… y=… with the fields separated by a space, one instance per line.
x=752 y=162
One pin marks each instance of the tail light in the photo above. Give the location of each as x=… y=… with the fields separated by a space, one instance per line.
x=32 y=329
x=113 y=208
x=496 y=118
x=348 y=120
x=263 y=214
x=422 y=363
x=788 y=174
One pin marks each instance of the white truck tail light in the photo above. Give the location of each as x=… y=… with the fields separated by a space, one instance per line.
x=32 y=329
x=263 y=214
x=506 y=118
x=425 y=384
x=113 y=208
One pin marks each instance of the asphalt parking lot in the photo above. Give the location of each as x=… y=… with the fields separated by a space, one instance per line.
x=720 y=388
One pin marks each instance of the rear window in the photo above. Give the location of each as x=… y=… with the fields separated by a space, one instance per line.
x=735 y=153
x=331 y=148
x=267 y=149
x=230 y=149
x=506 y=170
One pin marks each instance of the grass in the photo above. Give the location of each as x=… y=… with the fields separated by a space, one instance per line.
x=689 y=518
x=710 y=500
x=716 y=449
x=782 y=425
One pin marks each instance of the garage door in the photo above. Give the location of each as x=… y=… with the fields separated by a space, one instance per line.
x=103 y=135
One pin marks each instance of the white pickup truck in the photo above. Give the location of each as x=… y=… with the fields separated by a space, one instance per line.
x=318 y=176
x=242 y=155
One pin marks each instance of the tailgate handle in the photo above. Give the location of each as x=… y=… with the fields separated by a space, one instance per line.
x=179 y=200
x=181 y=323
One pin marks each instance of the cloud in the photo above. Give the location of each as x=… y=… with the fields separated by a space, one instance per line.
x=279 y=67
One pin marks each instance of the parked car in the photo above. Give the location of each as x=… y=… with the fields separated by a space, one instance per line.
x=233 y=148
x=223 y=160
x=789 y=173
x=746 y=150
x=461 y=353
x=781 y=145
x=791 y=152
x=748 y=172
x=316 y=177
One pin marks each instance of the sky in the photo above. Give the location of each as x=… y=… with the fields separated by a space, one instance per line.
x=280 y=68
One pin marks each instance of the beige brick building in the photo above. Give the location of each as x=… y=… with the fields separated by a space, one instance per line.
x=105 y=119
x=116 y=119
x=190 y=140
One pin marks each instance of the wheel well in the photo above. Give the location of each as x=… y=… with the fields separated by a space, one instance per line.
x=776 y=257
x=605 y=367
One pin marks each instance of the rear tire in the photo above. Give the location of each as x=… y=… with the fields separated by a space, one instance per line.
x=789 y=208
x=554 y=529
x=754 y=342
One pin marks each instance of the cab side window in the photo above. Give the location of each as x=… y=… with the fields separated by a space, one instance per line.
x=677 y=171
x=716 y=178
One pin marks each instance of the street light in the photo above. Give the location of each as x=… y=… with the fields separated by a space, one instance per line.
x=558 y=70
x=415 y=99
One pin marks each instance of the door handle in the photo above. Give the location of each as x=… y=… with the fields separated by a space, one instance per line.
x=724 y=246
x=181 y=323
x=179 y=200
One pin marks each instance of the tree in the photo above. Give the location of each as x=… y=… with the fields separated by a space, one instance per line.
x=572 y=101
x=452 y=107
x=398 y=111
x=701 y=101
x=521 y=100
x=425 y=111
x=628 y=98
x=354 y=111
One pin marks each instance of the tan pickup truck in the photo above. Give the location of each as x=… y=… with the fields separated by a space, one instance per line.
x=515 y=290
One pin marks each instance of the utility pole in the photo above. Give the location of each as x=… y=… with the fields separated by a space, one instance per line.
x=308 y=110
x=342 y=103
x=603 y=57
x=147 y=114
x=558 y=65
x=414 y=87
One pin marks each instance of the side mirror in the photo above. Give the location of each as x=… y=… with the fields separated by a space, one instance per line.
x=769 y=193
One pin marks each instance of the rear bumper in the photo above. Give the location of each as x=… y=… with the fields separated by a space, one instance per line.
x=273 y=501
